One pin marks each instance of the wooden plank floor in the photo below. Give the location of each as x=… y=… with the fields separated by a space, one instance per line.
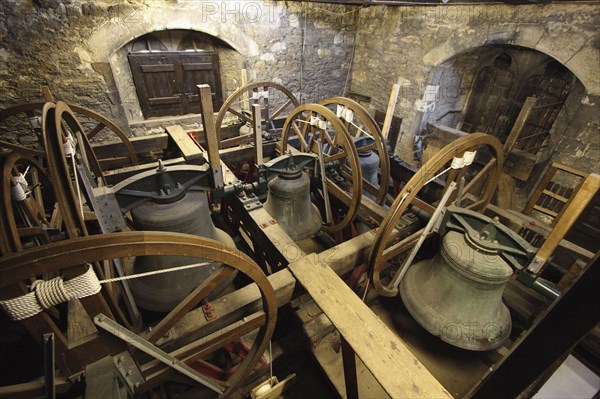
x=398 y=371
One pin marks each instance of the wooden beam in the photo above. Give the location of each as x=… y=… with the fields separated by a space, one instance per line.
x=574 y=209
x=186 y=145
x=341 y=258
x=212 y=139
x=553 y=335
x=141 y=145
x=388 y=358
x=515 y=132
x=514 y=218
x=389 y=113
x=257 y=131
x=245 y=93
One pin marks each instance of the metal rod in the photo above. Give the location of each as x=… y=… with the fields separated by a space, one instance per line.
x=135 y=340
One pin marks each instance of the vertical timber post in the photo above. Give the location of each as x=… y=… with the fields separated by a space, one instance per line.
x=210 y=130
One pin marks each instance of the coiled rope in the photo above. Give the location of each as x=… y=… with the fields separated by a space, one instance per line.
x=47 y=294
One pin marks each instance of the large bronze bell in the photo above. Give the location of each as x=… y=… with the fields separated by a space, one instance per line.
x=191 y=215
x=288 y=202
x=457 y=295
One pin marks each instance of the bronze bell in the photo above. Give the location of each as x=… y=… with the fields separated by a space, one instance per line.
x=369 y=166
x=288 y=202
x=191 y=215
x=457 y=295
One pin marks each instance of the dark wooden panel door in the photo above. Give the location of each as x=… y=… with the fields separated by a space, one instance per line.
x=200 y=69
x=166 y=83
x=156 y=83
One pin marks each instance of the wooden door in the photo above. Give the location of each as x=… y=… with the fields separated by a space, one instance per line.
x=197 y=69
x=166 y=82
x=156 y=82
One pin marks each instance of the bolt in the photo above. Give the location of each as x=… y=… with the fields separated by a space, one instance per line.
x=129 y=372
x=119 y=359
x=137 y=385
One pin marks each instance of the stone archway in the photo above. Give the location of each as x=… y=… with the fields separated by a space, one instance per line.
x=577 y=54
x=106 y=50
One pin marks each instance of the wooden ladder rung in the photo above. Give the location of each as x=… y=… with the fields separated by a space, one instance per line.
x=555 y=196
x=544 y=210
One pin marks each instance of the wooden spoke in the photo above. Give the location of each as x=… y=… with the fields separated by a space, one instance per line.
x=243 y=117
x=279 y=110
x=363 y=125
x=68 y=254
x=34 y=110
x=338 y=146
x=267 y=95
x=380 y=253
x=23 y=220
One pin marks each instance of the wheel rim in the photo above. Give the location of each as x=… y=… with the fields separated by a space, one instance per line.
x=378 y=255
x=232 y=106
x=36 y=109
x=367 y=126
x=340 y=147
x=69 y=253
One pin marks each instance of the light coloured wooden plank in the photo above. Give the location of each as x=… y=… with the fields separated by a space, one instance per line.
x=210 y=129
x=389 y=113
x=244 y=74
x=545 y=210
x=515 y=132
x=257 y=131
x=186 y=145
x=555 y=196
x=392 y=364
x=574 y=209
x=284 y=243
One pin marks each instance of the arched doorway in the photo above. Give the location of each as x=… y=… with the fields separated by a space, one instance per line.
x=485 y=89
x=167 y=65
x=501 y=86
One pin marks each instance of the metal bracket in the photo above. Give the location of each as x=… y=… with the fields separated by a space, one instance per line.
x=128 y=370
x=250 y=202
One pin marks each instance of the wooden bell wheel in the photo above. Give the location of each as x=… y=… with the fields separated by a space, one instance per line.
x=476 y=194
x=28 y=117
x=59 y=122
x=360 y=124
x=73 y=253
x=23 y=219
x=275 y=101
x=311 y=126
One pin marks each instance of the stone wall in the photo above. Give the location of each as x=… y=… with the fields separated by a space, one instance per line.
x=73 y=46
x=408 y=44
